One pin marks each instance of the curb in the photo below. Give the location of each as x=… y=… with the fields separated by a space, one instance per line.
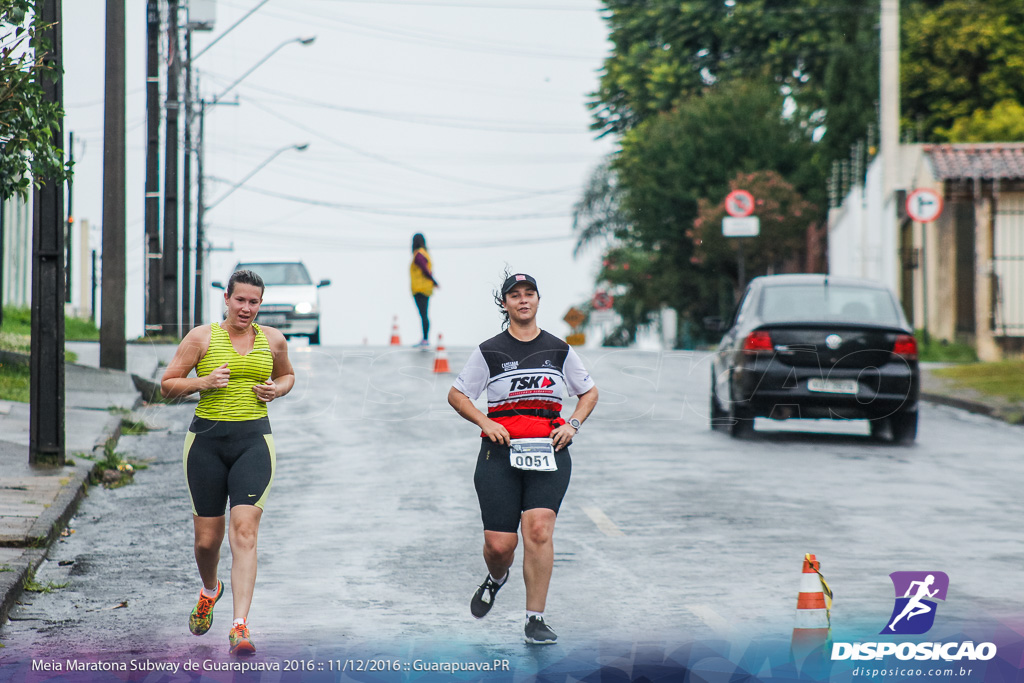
x=976 y=407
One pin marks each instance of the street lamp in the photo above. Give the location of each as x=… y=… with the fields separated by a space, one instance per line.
x=301 y=41
x=201 y=147
x=299 y=148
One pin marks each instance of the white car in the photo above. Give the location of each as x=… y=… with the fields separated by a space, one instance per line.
x=291 y=302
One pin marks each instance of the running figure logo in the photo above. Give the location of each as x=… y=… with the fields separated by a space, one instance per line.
x=914 y=612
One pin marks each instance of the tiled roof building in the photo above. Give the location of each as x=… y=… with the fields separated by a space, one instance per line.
x=990 y=161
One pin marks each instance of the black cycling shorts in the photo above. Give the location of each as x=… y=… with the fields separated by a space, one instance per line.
x=505 y=492
x=225 y=459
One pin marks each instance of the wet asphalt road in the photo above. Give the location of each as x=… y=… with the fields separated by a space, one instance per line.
x=370 y=543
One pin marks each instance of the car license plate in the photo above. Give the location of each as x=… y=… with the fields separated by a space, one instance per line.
x=270 y=319
x=833 y=386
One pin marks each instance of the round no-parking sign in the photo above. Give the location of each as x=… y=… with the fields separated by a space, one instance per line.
x=924 y=205
x=739 y=203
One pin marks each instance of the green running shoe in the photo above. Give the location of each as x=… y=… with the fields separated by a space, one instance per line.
x=202 y=616
x=240 y=642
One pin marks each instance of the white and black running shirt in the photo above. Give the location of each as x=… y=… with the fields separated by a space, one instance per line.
x=525 y=381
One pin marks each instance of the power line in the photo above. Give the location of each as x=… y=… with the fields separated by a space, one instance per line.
x=357 y=208
x=330 y=244
x=470 y=5
x=352 y=25
x=381 y=158
x=497 y=126
x=437 y=205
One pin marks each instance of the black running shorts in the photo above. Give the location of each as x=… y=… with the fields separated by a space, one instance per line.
x=505 y=492
x=225 y=459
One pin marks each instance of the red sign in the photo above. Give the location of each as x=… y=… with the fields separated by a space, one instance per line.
x=602 y=300
x=739 y=203
x=924 y=206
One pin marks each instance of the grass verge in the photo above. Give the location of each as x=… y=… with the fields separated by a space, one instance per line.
x=18 y=322
x=1004 y=379
x=15 y=335
x=14 y=382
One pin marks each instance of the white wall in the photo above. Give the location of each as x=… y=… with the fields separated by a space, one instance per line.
x=862 y=238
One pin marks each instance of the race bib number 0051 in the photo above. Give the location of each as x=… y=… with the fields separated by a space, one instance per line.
x=537 y=455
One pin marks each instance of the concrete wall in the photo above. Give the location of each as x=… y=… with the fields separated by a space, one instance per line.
x=862 y=237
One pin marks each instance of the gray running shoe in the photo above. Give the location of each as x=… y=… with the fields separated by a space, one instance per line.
x=539 y=633
x=483 y=599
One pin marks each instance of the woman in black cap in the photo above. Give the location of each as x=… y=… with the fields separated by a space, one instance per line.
x=523 y=468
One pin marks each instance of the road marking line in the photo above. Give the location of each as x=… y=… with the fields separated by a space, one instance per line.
x=712 y=618
x=606 y=525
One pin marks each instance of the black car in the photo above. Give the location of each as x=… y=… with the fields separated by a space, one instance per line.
x=815 y=346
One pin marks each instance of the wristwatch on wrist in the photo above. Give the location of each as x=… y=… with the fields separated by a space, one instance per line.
x=574 y=423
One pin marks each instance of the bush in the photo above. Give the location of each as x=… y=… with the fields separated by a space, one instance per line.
x=943 y=351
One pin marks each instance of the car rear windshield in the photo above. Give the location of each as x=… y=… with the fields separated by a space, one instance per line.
x=279 y=273
x=842 y=303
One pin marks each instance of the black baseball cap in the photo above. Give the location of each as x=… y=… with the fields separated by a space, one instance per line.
x=514 y=280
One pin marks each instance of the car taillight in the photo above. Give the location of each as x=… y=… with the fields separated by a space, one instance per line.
x=759 y=340
x=905 y=346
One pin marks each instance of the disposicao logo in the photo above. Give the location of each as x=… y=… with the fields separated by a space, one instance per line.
x=916 y=593
x=913 y=614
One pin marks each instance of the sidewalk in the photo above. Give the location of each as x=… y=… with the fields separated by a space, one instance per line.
x=37 y=502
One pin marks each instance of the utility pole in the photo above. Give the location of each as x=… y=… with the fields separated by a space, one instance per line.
x=3 y=214
x=197 y=309
x=69 y=225
x=46 y=367
x=112 y=346
x=169 y=315
x=889 y=96
x=153 y=274
x=186 y=198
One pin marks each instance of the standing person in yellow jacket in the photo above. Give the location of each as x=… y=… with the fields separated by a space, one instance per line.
x=229 y=449
x=423 y=282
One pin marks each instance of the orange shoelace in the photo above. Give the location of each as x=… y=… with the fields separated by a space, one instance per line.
x=204 y=606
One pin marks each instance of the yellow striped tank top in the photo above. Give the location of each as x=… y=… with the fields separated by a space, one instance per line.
x=237 y=401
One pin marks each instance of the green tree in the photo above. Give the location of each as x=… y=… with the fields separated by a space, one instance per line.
x=598 y=213
x=667 y=51
x=784 y=215
x=27 y=120
x=959 y=57
x=665 y=166
x=1001 y=123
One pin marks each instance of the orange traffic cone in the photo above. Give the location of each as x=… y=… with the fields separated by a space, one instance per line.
x=441 y=359
x=813 y=606
x=395 y=341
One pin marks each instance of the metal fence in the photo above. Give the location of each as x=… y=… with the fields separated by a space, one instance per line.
x=1008 y=266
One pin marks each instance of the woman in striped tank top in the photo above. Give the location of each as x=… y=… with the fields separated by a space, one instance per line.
x=229 y=449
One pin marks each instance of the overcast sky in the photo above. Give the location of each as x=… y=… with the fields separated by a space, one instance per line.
x=465 y=120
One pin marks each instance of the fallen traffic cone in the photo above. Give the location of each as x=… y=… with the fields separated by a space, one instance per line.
x=813 y=606
x=395 y=341
x=441 y=359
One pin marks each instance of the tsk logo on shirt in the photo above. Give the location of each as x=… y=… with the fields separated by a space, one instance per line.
x=914 y=611
x=534 y=382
